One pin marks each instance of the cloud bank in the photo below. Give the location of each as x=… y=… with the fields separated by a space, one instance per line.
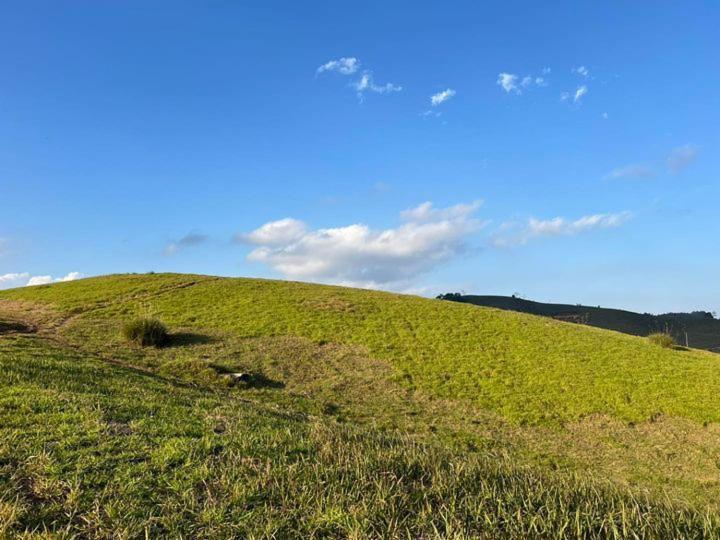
x=356 y=255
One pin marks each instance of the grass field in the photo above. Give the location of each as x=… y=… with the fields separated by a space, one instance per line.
x=368 y=414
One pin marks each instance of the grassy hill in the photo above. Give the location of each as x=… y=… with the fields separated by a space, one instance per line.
x=700 y=329
x=367 y=414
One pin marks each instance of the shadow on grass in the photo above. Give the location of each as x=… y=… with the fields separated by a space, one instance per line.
x=258 y=380
x=16 y=327
x=183 y=339
x=248 y=379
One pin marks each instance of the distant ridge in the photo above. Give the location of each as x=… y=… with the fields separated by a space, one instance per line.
x=702 y=328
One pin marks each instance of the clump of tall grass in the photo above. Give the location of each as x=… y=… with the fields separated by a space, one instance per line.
x=662 y=339
x=145 y=331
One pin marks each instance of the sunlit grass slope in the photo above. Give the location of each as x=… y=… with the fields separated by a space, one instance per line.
x=90 y=448
x=528 y=369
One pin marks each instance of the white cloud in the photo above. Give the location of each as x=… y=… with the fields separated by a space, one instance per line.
x=511 y=234
x=442 y=97
x=24 y=279
x=605 y=116
x=366 y=83
x=344 y=66
x=275 y=233
x=9 y=281
x=546 y=71
x=580 y=92
x=512 y=83
x=357 y=255
x=39 y=280
x=636 y=170
x=681 y=158
x=582 y=71
x=508 y=82
x=529 y=80
x=71 y=276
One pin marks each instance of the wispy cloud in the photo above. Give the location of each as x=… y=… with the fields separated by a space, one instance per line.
x=344 y=66
x=580 y=92
x=576 y=96
x=189 y=240
x=25 y=279
x=582 y=71
x=358 y=255
x=681 y=158
x=514 y=233
x=530 y=80
x=635 y=170
x=512 y=83
x=381 y=187
x=442 y=97
x=367 y=84
x=676 y=162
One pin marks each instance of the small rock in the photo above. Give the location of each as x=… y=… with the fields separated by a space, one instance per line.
x=239 y=377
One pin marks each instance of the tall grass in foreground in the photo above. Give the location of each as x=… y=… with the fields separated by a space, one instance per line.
x=351 y=484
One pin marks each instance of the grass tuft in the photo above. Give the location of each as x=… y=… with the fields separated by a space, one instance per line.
x=146 y=332
x=662 y=339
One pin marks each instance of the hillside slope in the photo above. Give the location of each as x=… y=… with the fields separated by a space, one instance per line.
x=529 y=369
x=700 y=330
x=535 y=395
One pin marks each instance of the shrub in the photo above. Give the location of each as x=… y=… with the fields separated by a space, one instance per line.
x=145 y=331
x=663 y=339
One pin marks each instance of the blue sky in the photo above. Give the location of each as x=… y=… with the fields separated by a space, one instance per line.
x=570 y=153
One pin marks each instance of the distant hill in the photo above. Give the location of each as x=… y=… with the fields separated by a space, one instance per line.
x=702 y=328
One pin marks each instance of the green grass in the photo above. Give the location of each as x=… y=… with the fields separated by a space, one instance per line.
x=368 y=412
x=92 y=449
